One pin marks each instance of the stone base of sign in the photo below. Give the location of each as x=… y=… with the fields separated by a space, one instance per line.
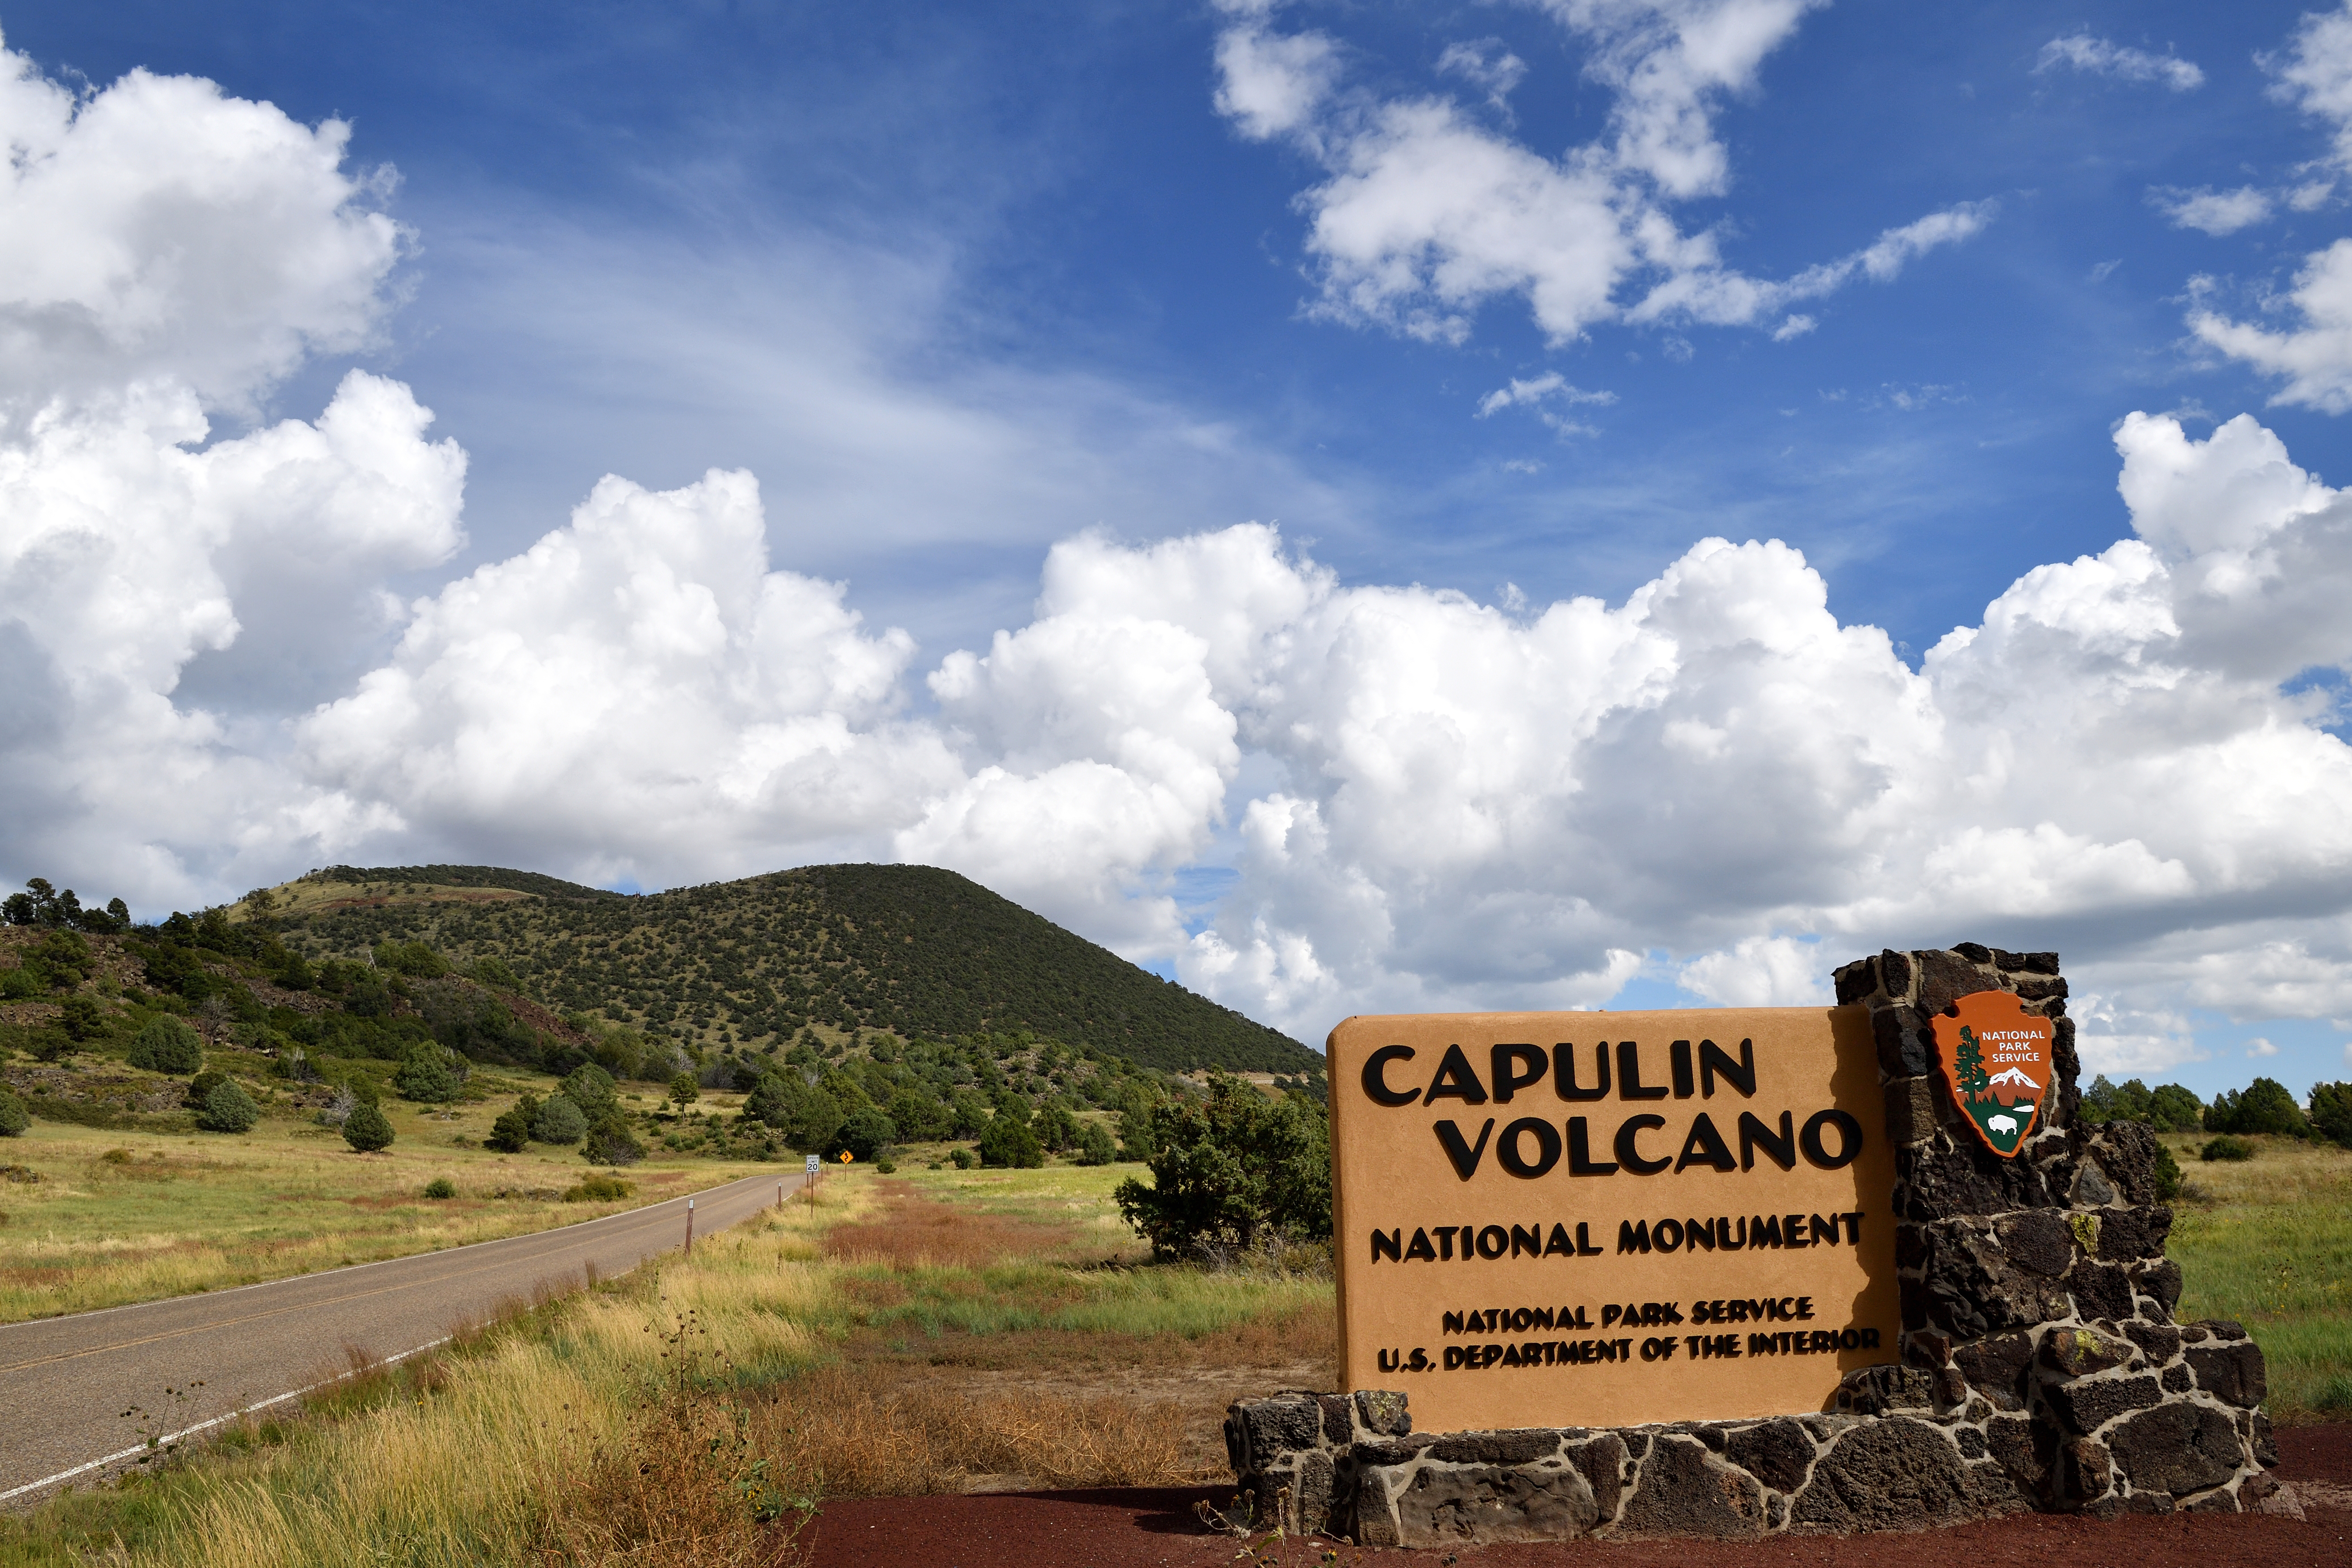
x=2039 y=1367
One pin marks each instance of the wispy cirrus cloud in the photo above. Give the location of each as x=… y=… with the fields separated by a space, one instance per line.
x=2100 y=57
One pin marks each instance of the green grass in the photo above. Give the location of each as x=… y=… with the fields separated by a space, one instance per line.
x=2269 y=1242
x=121 y=1215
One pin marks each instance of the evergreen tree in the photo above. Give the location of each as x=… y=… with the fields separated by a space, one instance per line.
x=226 y=1108
x=366 y=1130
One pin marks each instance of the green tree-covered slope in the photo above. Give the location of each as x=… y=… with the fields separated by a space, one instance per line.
x=908 y=948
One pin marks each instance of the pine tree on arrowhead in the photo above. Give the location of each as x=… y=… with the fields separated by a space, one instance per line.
x=1968 y=1066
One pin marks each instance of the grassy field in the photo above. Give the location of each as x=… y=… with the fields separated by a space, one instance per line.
x=929 y=1332
x=114 y=1216
x=2269 y=1242
x=937 y=1332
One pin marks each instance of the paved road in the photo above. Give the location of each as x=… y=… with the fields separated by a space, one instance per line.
x=65 y=1382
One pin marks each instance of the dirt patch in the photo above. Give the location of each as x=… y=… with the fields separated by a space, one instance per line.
x=912 y=1229
x=1155 y=1528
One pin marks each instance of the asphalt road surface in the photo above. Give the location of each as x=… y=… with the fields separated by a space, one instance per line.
x=65 y=1382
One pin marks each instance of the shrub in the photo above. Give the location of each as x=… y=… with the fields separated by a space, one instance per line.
x=1094 y=1145
x=14 y=1117
x=1056 y=1128
x=1009 y=1143
x=2168 y=1175
x=2227 y=1148
x=511 y=1131
x=440 y=1188
x=428 y=1074
x=920 y=1117
x=202 y=1084
x=558 y=1120
x=684 y=1090
x=863 y=1134
x=167 y=1045
x=411 y=958
x=366 y=1130
x=593 y=1090
x=2331 y=1112
x=597 y=1189
x=226 y=1108
x=1228 y=1172
x=962 y=1159
x=609 y=1141
x=886 y=1167
x=81 y=1019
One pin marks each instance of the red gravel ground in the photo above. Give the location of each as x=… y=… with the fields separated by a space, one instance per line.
x=1147 y=1528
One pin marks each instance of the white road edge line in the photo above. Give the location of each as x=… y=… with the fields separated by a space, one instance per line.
x=217 y=1421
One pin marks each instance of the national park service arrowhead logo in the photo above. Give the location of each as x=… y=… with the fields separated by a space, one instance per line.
x=1996 y=1061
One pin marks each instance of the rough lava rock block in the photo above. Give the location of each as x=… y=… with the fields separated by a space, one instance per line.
x=2039 y=1368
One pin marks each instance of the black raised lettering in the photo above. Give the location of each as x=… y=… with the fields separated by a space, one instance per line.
x=1456 y=1079
x=1699 y=1233
x=1678 y=1064
x=1764 y=1230
x=1584 y=1247
x=1493 y=1242
x=1633 y=1235
x=1465 y=1157
x=1507 y=1153
x=1376 y=1083
x=1503 y=1059
x=1445 y=1243
x=1556 y=1244
x=1825 y=1230
x=1563 y=1072
x=1418 y=1249
x=1629 y=1153
x=1451 y=1323
x=1629 y=1074
x=1723 y=1230
x=1853 y=1226
x=1704 y=1146
x=1712 y=1060
x=1849 y=1138
x=1668 y=1235
x=1579 y=1151
x=1528 y=1239
x=1393 y=1244
x=1754 y=1134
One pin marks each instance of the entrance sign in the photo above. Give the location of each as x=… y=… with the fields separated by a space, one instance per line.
x=1997 y=1061
x=1604 y=1219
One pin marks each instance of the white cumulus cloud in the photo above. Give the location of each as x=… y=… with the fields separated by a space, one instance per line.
x=1426 y=214
x=2213 y=211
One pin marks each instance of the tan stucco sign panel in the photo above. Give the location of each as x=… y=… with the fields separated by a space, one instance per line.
x=1555 y=1219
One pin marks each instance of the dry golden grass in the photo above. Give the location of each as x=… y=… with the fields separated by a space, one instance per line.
x=657 y=1418
x=869 y=1438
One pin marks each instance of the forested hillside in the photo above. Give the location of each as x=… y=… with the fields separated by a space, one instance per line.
x=831 y=950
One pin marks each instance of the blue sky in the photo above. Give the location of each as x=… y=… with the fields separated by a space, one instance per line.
x=959 y=284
